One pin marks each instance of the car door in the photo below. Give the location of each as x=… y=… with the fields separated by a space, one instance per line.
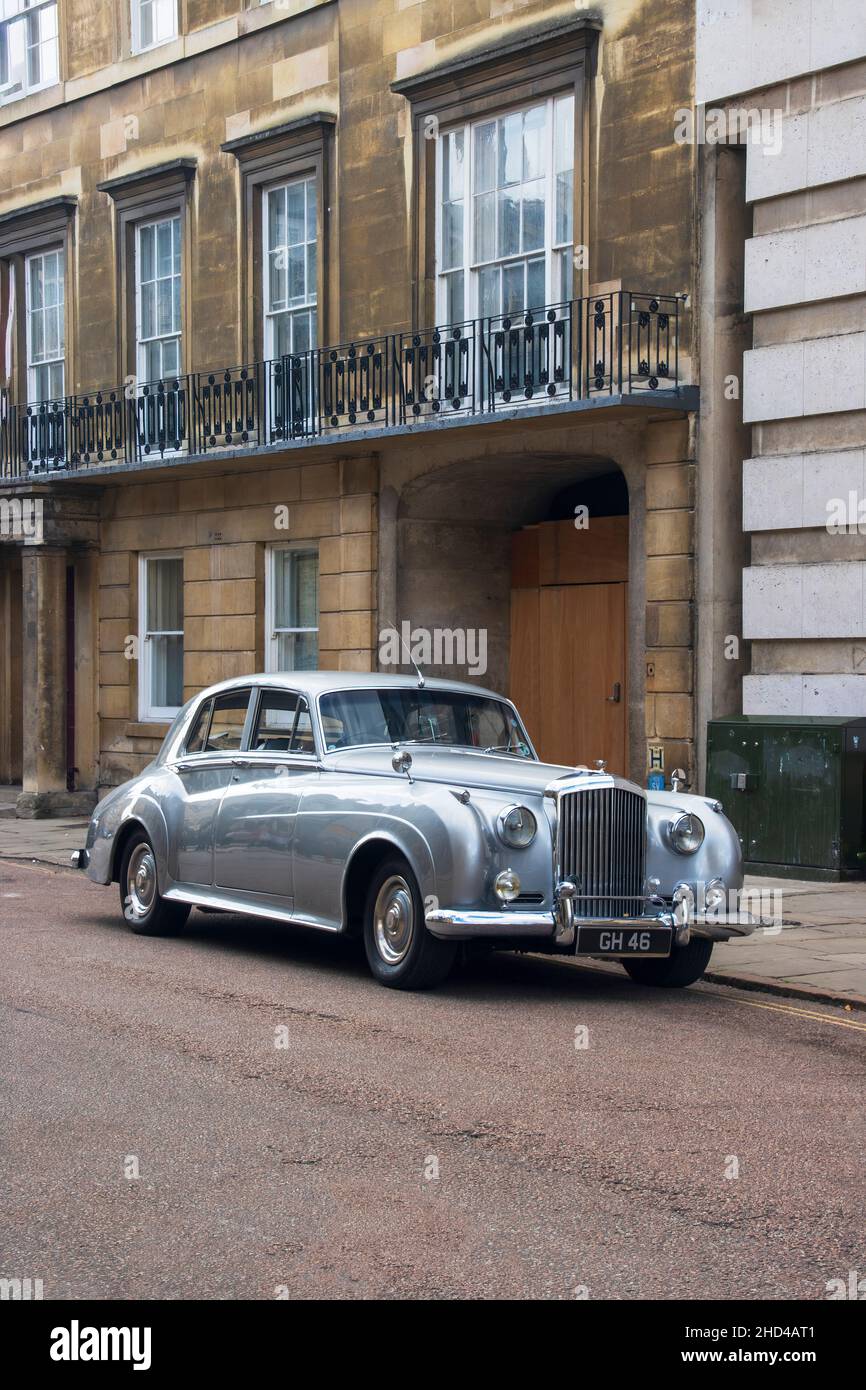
x=203 y=771
x=255 y=825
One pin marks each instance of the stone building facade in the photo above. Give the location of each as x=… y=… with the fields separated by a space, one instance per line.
x=318 y=318
x=785 y=215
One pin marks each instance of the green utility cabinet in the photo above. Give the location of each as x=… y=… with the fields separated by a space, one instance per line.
x=794 y=789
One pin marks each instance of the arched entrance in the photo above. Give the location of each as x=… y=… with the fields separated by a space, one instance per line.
x=533 y=553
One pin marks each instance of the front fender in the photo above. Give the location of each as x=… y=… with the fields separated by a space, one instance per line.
x=720 y=855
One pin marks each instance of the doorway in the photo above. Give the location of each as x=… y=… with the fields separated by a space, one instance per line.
x=568 y=660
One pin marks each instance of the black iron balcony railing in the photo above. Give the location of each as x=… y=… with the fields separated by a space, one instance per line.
x=614 y=344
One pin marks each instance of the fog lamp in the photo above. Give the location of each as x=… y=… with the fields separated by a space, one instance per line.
x=506 y=886
x=715 y=896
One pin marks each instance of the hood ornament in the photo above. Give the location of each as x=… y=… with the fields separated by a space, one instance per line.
x=601 y=764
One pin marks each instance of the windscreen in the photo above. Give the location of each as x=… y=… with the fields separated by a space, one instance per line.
x=352 y=718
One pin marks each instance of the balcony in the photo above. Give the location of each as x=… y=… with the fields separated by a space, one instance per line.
x=585 y=351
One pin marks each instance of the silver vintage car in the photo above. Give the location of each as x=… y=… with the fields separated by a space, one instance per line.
x=416 y=814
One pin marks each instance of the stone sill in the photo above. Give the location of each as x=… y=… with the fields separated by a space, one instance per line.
x=147 y=730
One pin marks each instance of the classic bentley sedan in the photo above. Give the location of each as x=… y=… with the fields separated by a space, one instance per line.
x=415 y=813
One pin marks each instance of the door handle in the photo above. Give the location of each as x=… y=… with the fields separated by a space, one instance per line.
x=241 y=762
x=615 y=695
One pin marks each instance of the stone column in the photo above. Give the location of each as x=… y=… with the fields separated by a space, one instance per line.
x=670 y=582
x=44 y=668
x=725 y=334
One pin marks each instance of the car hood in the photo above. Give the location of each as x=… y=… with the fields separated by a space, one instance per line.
x=461 y=766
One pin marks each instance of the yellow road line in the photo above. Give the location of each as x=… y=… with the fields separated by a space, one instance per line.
x=597 y=968
x=799 y=1013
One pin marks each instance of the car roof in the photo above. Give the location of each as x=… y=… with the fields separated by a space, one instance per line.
x=315 y=683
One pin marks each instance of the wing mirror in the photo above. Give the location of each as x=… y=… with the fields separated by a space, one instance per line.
x=401 y=761
x=678 y=780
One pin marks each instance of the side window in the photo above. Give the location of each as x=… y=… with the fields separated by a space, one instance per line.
x=227 y=722
x=275 y=722
x=197 y=741
x=284 y=724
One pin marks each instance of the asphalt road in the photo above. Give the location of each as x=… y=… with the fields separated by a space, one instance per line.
x=310 y=1168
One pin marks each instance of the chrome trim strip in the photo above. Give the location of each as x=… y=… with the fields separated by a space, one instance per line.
x=224 y=902
x=463 y=924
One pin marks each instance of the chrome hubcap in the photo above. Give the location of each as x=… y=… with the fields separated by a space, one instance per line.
x=394 y=920
x=141 y=880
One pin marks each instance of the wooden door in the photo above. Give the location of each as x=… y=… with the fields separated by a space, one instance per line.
x=568 y=640
x=568 y=671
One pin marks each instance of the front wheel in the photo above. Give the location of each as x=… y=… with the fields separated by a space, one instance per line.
x=682 y=967
x=144 y=908
x=401 y=952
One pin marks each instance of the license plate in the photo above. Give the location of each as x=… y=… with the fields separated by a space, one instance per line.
x=623 y=941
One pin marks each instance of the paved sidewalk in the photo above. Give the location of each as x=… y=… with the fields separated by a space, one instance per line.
x=48 y=841
x=818 y=952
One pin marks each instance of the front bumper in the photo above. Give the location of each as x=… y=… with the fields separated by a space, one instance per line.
x=562 y=925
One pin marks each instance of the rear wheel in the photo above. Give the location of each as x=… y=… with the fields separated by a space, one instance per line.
x=401 y=952
x=144 y=908
x=682 y=967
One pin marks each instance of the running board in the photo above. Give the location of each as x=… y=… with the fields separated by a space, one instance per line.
x=224 y=902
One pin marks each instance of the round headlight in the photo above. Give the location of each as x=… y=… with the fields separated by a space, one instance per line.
x=517 y=827
x=687 y=833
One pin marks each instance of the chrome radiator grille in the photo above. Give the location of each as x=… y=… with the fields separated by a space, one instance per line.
x=602 y=845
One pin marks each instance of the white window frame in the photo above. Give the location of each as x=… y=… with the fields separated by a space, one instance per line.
x=28 y=9
x=271 y=633
x=470 y=273
x=311 y=304
x=30 y=311
x=136 y=6
x=140 y=341
x=147 y=712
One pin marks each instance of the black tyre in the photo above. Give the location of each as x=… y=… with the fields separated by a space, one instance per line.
x=401 y=952
x=144 y=909
x=682 y=967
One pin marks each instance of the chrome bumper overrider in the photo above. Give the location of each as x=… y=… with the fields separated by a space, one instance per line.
x=560 y=925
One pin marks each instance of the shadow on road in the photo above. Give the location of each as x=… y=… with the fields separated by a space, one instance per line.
x=494 y=976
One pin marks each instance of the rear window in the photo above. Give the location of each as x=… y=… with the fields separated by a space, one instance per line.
x=218 y=727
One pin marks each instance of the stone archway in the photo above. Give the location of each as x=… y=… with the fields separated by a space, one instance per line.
x=462 y=536
x=447 y=512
